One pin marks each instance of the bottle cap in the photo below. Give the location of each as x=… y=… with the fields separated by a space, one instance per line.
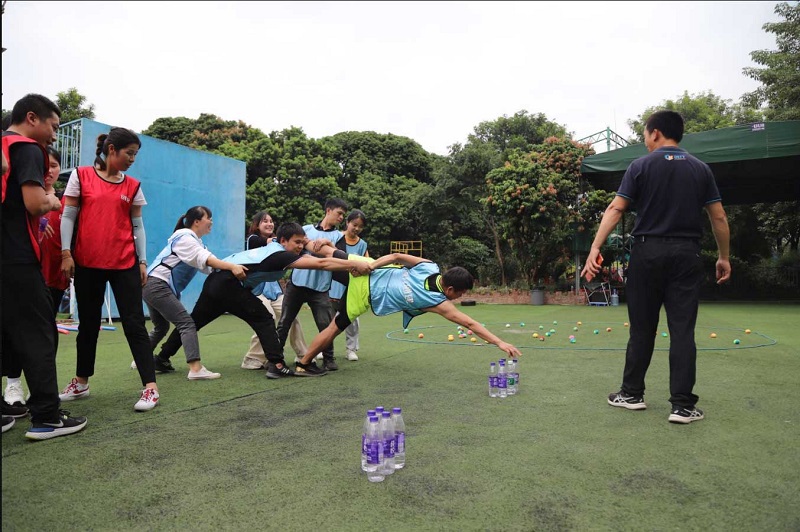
x=379 y=409
x=373 y=419
x=502 y=362
x=492 y=364
x=396 y=410
x=386 y=413
x=371 y=413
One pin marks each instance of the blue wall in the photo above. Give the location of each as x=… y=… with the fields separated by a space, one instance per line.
x=173 y=179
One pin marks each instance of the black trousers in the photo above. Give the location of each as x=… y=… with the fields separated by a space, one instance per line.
x=13 y=367
x=664 y=272
x=90 y=289
x=222 y=293
x=29 y=337
x=293 y=298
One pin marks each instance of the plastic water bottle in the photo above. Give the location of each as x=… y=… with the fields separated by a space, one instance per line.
x=378 y=411
x=512 y=376
x=399 y=438
x=387 y=431
x=492 y=379
x=502 y=380
x=374 y=466
x=370 y=413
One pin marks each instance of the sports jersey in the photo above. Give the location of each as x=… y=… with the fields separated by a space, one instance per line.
x=181 y=259
x=360 y=248
x=259 y=268
x=51 y=252
x=318 y=280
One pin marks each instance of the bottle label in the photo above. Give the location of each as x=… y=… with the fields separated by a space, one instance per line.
x=400 y=442
x=502 y=382
x=493 y=381
x=388 y=447
x=510 y=380
x=374 y=452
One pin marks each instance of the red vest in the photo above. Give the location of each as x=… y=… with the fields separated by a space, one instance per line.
x=33 y=222
x=105 y=231
x=51 y=252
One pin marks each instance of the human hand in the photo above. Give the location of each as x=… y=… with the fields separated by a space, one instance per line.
x=48 y=231
x=238 y=271
x=143 y=273
x=67 y=266
x=509 y=349
x=360 y=268
x=723 y=270
x=592 y=266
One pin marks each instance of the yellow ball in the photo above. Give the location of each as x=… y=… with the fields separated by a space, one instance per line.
x=747 y=331
x=626 y=324
x=420 y=335
x=580 y=323
x=450 y=338
x=713 y=335
x=536 y=335
x=473 y=339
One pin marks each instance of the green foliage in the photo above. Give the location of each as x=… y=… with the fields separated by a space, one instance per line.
x=71 y=103
x=701 y=112
x=780 y=77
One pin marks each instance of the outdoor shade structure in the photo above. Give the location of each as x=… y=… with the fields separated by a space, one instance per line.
x=752 y=163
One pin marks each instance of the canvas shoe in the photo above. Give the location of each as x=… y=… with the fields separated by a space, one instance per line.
x=274 y=372
x=74 y=390
x=13 y=394
x=64 y=426
x=319 y=356
x=148 y=400
x=163 y=365
x=351 y=355
x=308 y=370
x=624 y=400
x=133 y=365
x=203 y=374
x=330 y=364
x=13 y=411
x=685 y=415
x=8 y=422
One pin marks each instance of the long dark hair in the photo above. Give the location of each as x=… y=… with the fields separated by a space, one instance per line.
x=256 y=221
x=119 y=137
x=192 y=215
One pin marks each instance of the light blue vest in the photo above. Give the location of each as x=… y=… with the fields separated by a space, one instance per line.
x=395 y=289
x=180 y=273
x=337 y=288
x=255 y=279
x=318 y=280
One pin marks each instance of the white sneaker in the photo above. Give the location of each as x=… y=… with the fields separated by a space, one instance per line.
x=351 y=355
x=203 y=374
x=74 y=390
x=318 y=357
x=13 y=394
x=148 y=400
x=133 y=365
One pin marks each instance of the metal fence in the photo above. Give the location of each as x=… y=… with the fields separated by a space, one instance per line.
x=69 y=145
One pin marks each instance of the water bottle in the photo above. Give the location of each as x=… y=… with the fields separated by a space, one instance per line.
x=374 y=466
x=370 y=413
x=492 y=379
x=399 y=438
x=378 y=411
x=387 y=430
x=502 y=380
x=512 y=377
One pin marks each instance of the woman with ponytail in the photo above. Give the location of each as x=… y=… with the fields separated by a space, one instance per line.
x=103 y=207
x=171 y=271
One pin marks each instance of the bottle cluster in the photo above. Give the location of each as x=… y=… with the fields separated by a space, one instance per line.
x=503 y=378
x=383 y=443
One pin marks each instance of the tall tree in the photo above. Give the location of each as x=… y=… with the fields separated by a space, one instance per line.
x=71 y=103
x=780 y=77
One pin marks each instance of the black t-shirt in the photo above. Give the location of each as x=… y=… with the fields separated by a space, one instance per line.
x=276 y=262
x=255 y=241
x=668 y=188
x=27 y=166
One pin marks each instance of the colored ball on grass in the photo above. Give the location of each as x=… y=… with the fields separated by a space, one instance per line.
x=596 y=331
x=508 y=325
x=522 y=324
x=541 y=338
x=450 y=338
x=626 y=324
x=536 y=335
x=541 y=326
x=580 y=323
x=608 y=329
x=420 y=335
x=552 y=331
x=405 y=331
x=713 y=335
x=572 y=340
x=664 y=334
x=473 y=339
x=747 y=331
x=555 y=323
x=547 y=334
x=571 y=336
x=574 y=328
x=737 y=342
x=469 y=332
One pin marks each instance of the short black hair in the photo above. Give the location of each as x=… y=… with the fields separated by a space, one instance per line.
x=54 y=153
x=335 y=203
x=669 y=123
x=289 y=229
x=459 y=278
x=39 y=105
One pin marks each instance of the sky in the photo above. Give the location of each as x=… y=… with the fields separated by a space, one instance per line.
x=430 y=71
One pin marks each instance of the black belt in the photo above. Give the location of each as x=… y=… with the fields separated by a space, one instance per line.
x=658 y=238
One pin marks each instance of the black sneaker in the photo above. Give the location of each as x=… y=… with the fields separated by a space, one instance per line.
x=329 y=364
x=685 y=415
x=308 y=370
x=163 y=365
x=274 y=372
x=624 y=400
x=13 y=411
x=8 y=422
x=64 y=426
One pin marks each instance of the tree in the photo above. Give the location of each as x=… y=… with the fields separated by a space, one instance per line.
x=71 y=103
x=701 y=112
x=780 y=78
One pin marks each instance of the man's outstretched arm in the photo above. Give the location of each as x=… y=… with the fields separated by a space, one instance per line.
x=449 y=311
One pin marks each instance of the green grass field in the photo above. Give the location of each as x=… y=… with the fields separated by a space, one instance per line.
x=244 y=452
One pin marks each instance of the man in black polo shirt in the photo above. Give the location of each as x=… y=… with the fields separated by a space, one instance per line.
x=669 y=189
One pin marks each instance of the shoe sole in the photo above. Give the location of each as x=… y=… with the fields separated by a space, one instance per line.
x=683 y=420
x=74 y=397
x=204 y=377
x=9 y=425
x=298 y=374
x=278 y=376
x=145 y=408
x=55 y=433
x=636 y=406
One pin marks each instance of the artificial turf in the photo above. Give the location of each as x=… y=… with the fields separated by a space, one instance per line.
x=244 y=452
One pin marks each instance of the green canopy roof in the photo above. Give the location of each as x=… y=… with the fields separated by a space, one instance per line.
x=752 y=163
